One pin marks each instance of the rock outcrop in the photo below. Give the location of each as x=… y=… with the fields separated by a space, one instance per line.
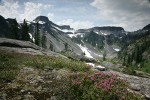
x=137 y=84
x=26 y=47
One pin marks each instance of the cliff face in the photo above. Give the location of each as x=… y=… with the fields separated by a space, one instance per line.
x=147 y=27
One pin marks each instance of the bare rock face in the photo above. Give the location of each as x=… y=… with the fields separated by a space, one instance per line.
x=26 y=47
x=17 y=43
x=138 y=84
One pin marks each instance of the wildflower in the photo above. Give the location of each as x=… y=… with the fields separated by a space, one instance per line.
x=91 y=78
x=76 y=82
x=96 y=85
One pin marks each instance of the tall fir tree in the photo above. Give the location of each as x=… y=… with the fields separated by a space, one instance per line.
x=37 y=34
x=14 y=30
x=51 y=47
x=43 y=41
x=66 y=46
x=24 y=31
x=129 y=59
x=104 y=55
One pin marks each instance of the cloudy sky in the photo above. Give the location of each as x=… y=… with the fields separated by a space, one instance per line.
x=129 y=14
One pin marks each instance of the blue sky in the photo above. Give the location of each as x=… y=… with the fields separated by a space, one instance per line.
x=129 y=14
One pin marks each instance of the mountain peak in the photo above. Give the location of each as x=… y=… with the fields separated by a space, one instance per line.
x=42 y=18
x=147 y=27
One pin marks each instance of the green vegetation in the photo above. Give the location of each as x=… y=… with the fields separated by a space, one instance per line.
x=66 y=46
x=100 y=86
x=104 y=55
x=132 y=69
x=83 y=84
x=37 y=34
x=136 y=55
x=24 y=31
x=14 y=30
x=10 y=63
x=44 y=40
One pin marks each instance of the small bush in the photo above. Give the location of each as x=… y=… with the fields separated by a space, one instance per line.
x=99 y=86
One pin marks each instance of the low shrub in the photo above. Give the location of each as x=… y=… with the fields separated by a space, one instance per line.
x=99 y=86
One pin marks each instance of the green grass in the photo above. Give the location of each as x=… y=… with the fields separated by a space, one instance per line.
x=144 y=66
x=10 y=63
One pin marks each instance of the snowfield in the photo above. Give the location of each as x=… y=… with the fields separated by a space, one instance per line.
x=85 y=50
x=75 y=35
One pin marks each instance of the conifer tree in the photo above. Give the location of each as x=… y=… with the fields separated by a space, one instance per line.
x=37 y=34
x=51 y=47
x=43 y=41
x=129 y=59
x=14 y=30
x=24 y=31
x=104 y=55
x=66 y=46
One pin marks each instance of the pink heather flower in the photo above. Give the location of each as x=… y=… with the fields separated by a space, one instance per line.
x=122 y=98
x=110 y=93
x=76 y=82
x=84 y=75
x=91 y=78
x=108 y=86
x=96 y=85
x=104 y=89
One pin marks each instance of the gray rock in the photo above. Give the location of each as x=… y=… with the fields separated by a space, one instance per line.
x=26 y=47
x=17 y=43
x=139 y=84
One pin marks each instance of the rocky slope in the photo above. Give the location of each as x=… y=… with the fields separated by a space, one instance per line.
x=11 y=45
x=138 y=84
x=99 y=40
x=54 y=35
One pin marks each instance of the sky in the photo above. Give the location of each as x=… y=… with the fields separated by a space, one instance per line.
x=129 y=14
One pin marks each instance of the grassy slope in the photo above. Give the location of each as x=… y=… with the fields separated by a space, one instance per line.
x=10 y=63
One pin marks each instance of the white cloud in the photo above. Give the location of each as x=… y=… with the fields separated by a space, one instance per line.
x=76 y=24
x=9 y=9
x=130 y=14
x=28 y=11
x=32 y=10
x=50 y=16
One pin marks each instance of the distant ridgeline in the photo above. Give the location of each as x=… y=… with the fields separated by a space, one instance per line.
x=92 y=42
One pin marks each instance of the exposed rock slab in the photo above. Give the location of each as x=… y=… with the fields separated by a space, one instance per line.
x=26 y=47
x=138 y=84
x=17 y=43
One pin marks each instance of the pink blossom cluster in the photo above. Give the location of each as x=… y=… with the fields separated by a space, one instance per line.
x=108 y=84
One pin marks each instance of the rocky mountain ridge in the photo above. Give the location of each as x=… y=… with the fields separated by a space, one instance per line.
x=92 y=42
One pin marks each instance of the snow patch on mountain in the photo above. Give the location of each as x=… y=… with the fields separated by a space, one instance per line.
x=31 y=37
x=96 y=54
x=96 y=32
x=66 y=30
x=103 y=33
x=116 y=49
x=85 y=50
x=91 y=64
x=41 y=22
x=56 y=27
x=63 y=30
x=76 y=34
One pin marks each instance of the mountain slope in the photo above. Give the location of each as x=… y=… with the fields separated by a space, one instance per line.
x=99 y=40
x=54 y=35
